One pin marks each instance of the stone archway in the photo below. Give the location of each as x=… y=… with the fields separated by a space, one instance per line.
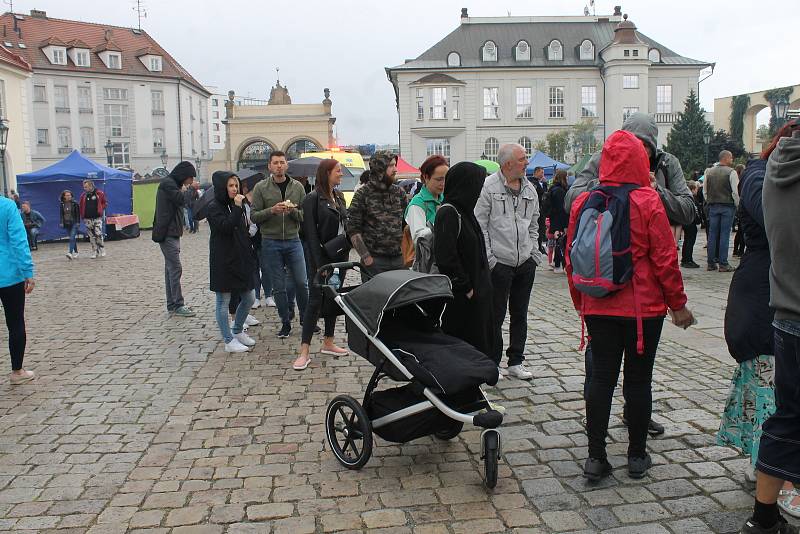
x=254 y=154
x=298 y=145
x=749 y=132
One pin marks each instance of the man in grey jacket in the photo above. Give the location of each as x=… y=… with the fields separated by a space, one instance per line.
x=508 y=213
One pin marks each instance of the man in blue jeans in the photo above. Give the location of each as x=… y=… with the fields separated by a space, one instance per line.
x=277 y=210
x=721 y=191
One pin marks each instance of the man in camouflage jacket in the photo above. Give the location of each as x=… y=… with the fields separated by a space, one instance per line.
x=375 y=216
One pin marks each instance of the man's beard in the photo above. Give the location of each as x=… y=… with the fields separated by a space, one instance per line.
x=388 y=180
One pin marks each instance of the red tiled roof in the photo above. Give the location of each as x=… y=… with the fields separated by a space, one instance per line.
x=9 y=57
x=98 y=37
x=52 y=41
x=77 y=43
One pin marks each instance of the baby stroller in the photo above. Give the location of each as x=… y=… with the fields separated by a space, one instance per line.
x=393 y=321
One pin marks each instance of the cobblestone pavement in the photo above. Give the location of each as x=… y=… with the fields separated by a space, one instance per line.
x=142 y=422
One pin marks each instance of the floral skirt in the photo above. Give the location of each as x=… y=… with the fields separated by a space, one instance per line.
x=750 y=402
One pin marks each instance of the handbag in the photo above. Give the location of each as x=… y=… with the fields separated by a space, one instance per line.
x=337 y=249
x=407 y=248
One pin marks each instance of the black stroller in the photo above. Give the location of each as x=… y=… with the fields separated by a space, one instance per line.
x=393 y=322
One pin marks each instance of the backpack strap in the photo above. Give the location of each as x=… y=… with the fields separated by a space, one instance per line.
x=458 y=214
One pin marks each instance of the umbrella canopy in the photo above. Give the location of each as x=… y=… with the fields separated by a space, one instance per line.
x=404 y=167
x=392 y=290
x=308 y=167
x=489 y=165
x=540 y=159
x=250 y=177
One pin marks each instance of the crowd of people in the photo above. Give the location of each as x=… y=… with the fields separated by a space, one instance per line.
x=615 y=232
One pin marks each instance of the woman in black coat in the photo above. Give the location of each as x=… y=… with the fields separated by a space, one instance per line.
x=231 y=259
x=559 y=218
x=324 y=223
x=460 y=253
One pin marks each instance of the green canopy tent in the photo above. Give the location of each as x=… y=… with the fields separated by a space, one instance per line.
x=490 y=166
x=581 y=163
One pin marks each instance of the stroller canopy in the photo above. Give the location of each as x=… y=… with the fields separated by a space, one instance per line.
x=391 y=290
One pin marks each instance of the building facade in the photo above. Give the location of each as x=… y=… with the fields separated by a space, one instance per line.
x=14 y=75
x=95 y=85
x=516 y=79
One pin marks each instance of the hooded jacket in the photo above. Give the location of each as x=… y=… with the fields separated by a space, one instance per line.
x=231 y=257
x=657 y=282
x=376 y=213
x=781 y=196
x=675 y=195
x=15 y=256
x=170 y=200
x=510 y=223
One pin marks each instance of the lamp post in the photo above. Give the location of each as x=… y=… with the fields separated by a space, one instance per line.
x=164 y=157
x=197 y=163
x=781 y=107
x=3 y=144
x=109 y=152
x=706 y=140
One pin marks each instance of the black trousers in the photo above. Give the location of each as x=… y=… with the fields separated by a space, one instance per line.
x=313 y=312
x=613 y=337
x=689 y=239
x=13 y=300
x=512 y=288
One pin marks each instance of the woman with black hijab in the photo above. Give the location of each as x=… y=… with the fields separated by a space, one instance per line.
x=460 y=253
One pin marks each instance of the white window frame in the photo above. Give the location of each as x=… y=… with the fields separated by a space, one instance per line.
x=114 y=60
x=491 y=146
x=85 y=98
x=527 y=144
x=116 y=120
x=217 y=139
x=556 y=102
x=519 y=53
x=42 y=137
x=61 y=97
x=120 y=155
x=215 y=114
x=420 y=97
x=588 y=101
x=64 y=138
x=59 y=55
x=438 y=103
x=489 y=53
x=454 y=102
x=491 y=103
x=628 y=111
x=555 y=50
x=215 y=127
x=440 y=146
x=663 y=98
x=155 y=64
x=453 y=59
x=524 y=99
x=654 y=55
x=157 y=101
x=588 y=54
x=115 y=93
x=630 y=81
x=40 y=93
x=87 y=140
x=158 y=139
x=82 y=58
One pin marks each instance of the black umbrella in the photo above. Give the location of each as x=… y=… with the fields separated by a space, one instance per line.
x=308 y=167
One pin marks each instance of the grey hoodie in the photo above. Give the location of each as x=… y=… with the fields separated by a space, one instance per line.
x=780 y=199
x=675 y=195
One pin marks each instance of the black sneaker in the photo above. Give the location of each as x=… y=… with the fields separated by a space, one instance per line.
x=689 y=265
x=285 y=331
x=637 y=467
x=653 y=428
x=781 y=527
x=596 y=470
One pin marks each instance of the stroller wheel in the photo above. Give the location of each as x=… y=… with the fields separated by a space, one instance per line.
x=491 y=453
x=450 y=432
x=349 y=432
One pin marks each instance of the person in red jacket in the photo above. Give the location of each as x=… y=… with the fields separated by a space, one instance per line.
x=92 y=206
x=613 y=321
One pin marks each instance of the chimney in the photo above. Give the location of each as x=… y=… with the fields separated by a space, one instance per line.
x=617 y=11
x=464 y=14
x=38 y=14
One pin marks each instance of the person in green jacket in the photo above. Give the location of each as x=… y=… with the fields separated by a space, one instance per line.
x=421 y=211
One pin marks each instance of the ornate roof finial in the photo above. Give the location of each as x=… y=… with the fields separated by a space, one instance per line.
x=278 y=71
x=625 y=16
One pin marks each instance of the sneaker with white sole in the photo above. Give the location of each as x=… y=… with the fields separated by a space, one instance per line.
x=271 y=302
x=102 y=252
x=244 y=339
x=251 y=321
x=503 y=372
x=93 y=255
x=519 y=371
x=74 y=255
x=256 y=304
x=236 y=346
x=69 y=256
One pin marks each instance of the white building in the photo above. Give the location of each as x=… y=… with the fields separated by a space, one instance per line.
x=95 y=85
x=515 y=79
x=14 y=75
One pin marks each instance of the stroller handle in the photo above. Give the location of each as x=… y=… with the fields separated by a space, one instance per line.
x=342 y=266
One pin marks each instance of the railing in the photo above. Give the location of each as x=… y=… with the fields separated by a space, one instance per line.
x=64 y=150
x=87 y=150
x=85 y=110
x=666 y=118
x=158 y=112
x=62 y=110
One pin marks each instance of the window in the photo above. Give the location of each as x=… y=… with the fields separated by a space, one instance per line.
x=87 y=140
x=216 y=139
x=85 y=99
x=158 y=139
x=214 y=102
x=556 y=102
x=588 y=101
x=39 y=93
x=663 y=99
x=454 y=103
x=121 y=155
x=626 y=53
x=439 y=146
x=42 y=136
x=490 y=148
x=59 y=56
x=627 y=112
x=654 y=55
x=64 y=141
x=114 y=61
x=587 y=50
x=82 y=58
x=630 y=81
x=216 y=126
x=115 y=94
x=489 y=51
x=214 y=115
x=555 y=52
x=116 y=116
x=453 y=59
x=524 y=110
x=420 y=104
x=636 y=53
x=157 y=97
x=527 y=144
x=155 y=64
x=439 y=103
x=522 y=52
x=61 y=98
x=491 y=103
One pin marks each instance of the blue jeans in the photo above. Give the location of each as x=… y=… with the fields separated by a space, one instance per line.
x=73 y=238
x=720 y=222
x=247 y=299
x=266 y=281
x=286 y=254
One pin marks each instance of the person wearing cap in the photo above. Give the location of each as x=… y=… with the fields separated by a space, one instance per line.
x=168 y=229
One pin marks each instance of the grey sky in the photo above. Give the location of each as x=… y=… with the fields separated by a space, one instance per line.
x=345 y=44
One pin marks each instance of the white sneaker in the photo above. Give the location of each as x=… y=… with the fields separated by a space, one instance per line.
x=503 y=372
x=251 y=321
x=271 y=302
x=244 y=339
x=236 y=346
x=93 y=255
x=69 y=256
x=520 y=372
x=102 y=252
x=558 y=270
x=256 y=304
x=74 y=255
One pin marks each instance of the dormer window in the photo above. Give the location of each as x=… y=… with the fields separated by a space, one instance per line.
x=453 y=59
x=654 y=55
x=114 y=60
x=587 y=50
x=82 y=58
x=555 y=52
x=155 y=64
x=59 y=55
x=489 y=51
x=522 y=52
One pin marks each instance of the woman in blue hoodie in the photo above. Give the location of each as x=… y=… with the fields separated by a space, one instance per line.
x=16 y=280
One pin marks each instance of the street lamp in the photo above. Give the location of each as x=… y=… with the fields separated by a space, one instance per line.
x=3 y=144
x=197 y=163
x=781 y=107
x=706 y=140
x=109 y=152
x=164 y=157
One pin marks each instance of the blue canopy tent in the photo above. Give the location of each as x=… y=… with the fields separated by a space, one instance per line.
x=540 y=159
x=43 y=188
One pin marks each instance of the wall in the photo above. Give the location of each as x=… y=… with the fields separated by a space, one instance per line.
x=16 y=111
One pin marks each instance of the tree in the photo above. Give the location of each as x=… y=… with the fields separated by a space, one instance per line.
x=722 y=141
x=685 y=140
x=762 y=134
x=540 y=146
x=557 y=144
x=583 y=137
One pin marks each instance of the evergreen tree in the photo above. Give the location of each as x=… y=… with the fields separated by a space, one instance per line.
x=685 y=140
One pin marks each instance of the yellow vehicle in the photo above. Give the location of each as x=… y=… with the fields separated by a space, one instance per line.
x=352 y=160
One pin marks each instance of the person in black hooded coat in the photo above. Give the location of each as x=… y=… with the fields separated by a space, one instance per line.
x=460 y=253
x=231 y=259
